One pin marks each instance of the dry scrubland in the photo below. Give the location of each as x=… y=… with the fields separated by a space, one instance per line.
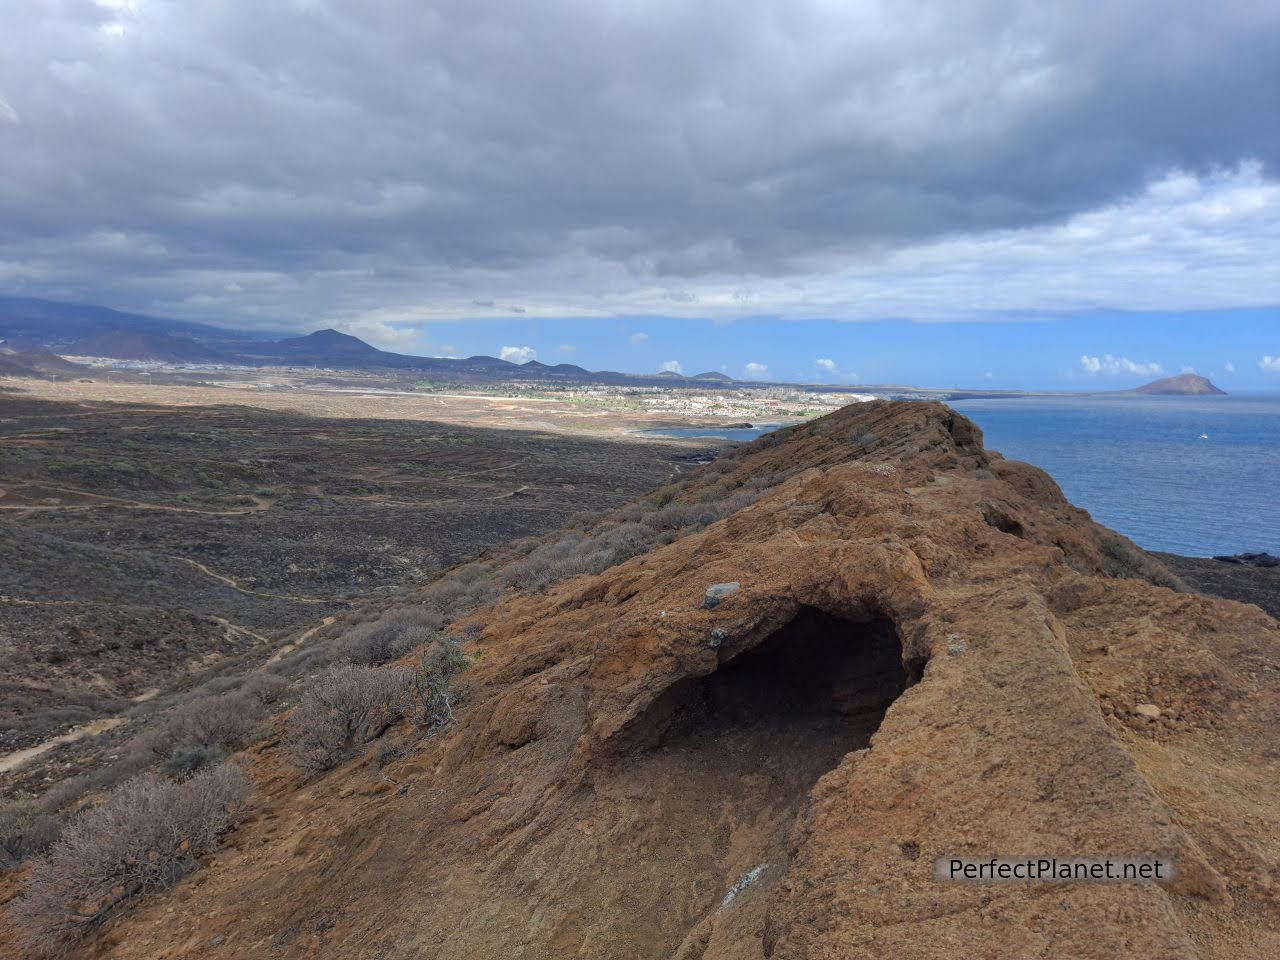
x=148 y=548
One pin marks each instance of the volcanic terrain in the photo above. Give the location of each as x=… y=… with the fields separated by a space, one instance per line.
x=929 y=653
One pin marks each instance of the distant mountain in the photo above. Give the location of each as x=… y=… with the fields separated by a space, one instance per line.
x=328 y=347
x=54 y=324
x=1184 y=384
x=88 y=330
x=139 y=345
x=34 y=363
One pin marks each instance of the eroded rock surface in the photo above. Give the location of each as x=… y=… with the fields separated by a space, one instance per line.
x=931 y=654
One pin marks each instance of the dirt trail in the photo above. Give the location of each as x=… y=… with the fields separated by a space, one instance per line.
x=297 y=641
x=259 y=505
x=235 y=585
x=237 y=628
x=44 y=603
x=11 y=761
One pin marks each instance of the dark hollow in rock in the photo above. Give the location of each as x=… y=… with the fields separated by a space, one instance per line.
x=729 y=760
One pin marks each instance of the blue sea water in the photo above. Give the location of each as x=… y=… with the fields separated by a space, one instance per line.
x=1139 y=465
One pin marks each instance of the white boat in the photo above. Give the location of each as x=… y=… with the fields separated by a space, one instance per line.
x=1204 y=436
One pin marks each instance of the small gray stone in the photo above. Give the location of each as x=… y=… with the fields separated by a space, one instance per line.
x=718 y=592
x=717 y=638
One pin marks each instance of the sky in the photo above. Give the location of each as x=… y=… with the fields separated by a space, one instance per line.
x=1001 y=192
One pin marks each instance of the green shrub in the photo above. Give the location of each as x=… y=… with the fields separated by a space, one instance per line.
x=430 y=703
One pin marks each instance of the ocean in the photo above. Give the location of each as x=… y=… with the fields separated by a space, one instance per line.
x=1139 y=465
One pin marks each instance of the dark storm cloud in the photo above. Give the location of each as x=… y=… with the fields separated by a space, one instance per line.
x=295 y=159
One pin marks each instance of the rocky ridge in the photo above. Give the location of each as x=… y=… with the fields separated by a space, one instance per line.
x=930 y=653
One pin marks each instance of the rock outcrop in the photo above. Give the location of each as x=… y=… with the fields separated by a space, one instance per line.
x=931 y=654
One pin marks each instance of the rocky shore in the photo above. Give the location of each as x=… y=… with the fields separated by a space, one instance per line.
x=1248 y=578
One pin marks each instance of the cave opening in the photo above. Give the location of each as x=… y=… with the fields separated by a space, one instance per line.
x=721 y=770
x=818 y=675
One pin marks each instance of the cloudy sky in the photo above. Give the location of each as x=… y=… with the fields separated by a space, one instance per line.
x=926 y=190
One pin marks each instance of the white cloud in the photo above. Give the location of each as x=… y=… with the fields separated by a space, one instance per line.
x=1112 y=366
x=567 y=348
x=518 y=354
x=386 y=336
x=671 y=366
x=754 y=371
x=638 y=338
x=448 y=350
x=828 y=365
x=1269 y=364
x=733 y=197
x=1229 y=367
x=7 y=113
x=988 y=375
x=1209 y=245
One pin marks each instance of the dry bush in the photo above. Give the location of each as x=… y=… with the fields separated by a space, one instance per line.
x=535 y=571
x=186 y=761
x=145 y=836
x=27 y=829
x=343 y=708
x=202 y=732
x=634 y=511
x=266 y=688
x=573 y=554
x=1122 y=560
x=462 y=591
x=389 y=637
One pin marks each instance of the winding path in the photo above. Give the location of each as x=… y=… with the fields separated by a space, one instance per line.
x=235 y=585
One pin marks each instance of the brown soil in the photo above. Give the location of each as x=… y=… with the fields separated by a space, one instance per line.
x=932 y=654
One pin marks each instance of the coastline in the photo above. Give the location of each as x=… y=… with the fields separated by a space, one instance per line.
x=1229 y=581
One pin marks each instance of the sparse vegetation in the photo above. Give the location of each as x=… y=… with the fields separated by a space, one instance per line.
x=202 y=732
x=1122 y=560
x=145 y=836
x=430 y=697
x=356 y=696
x=27 y=829
x=389 y=637
x=226 y=526
x=342 y=709
x=612 y=542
